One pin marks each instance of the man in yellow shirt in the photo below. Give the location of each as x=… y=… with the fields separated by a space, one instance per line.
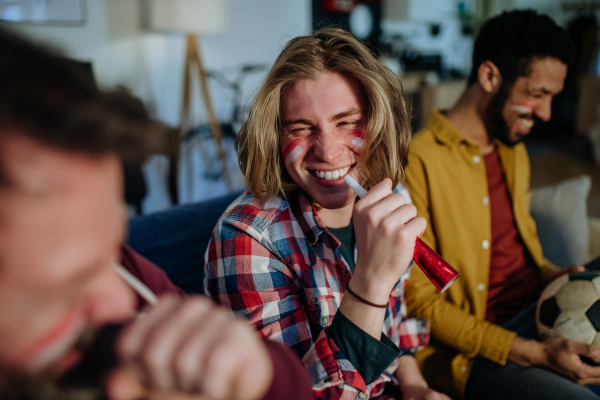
x=468 y=176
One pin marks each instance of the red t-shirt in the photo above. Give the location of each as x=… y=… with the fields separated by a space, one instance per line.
x=514 y=281
x=148 y=273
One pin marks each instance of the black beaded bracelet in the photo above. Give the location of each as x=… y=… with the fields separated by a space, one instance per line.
x=365 y=300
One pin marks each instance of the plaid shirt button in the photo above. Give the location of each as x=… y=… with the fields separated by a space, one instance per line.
x=325 y=321
x=362 y=395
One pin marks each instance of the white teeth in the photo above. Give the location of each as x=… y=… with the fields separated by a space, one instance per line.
x=525 y=123
x=522 y=109
x=332 y=175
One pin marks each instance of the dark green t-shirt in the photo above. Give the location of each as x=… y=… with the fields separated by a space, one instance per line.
x=346 y=236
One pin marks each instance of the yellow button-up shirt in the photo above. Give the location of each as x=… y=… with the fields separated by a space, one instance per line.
x=447 y=181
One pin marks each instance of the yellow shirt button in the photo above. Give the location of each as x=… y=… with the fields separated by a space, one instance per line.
x=463 y=369
x=476 y=159
x=485 y=244
x=486 y=201
x=481 y=287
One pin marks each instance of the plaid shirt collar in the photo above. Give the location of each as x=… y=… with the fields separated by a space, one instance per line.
x=306 y=214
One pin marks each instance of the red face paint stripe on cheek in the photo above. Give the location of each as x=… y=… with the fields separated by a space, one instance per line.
x=359 y=134
x=291 y=147
x=51 y=336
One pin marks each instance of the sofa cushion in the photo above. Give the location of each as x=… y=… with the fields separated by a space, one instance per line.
x=560 y=212
x=176 y=239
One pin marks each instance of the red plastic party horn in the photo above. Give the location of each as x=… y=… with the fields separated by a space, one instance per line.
x=439 y=272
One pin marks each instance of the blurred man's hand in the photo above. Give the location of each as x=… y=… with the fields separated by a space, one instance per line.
x=189 y=349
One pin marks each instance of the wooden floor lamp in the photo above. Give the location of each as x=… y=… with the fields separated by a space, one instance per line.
x=193 y=17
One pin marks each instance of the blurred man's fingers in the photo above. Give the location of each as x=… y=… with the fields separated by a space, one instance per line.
x=122 y=384
x=133 y=336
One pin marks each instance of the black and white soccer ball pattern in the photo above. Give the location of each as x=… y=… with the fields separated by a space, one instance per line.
x=569 y=307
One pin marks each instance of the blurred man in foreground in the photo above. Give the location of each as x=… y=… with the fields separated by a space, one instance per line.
x=62 y=223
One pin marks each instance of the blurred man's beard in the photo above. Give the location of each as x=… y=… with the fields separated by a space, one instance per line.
x=494 y=120
x=16 y=385
x=83 y=382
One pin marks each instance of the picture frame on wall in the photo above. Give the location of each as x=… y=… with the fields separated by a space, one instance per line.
x=44 y=12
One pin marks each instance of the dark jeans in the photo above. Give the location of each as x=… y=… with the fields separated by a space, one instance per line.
x=492 y=381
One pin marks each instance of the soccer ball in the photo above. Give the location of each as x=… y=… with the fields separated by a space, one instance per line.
x=570 y=307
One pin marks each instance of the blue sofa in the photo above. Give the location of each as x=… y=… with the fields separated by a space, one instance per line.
x=176 y=239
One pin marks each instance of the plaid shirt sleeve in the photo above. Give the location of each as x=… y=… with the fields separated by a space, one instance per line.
x=242 y=275
x=410 y=335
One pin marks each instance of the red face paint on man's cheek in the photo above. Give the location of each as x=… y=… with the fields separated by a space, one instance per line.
x=290 y=147
x=292 y=151
x=358 y=140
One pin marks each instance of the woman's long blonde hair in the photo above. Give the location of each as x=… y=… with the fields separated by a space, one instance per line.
x=387 y=133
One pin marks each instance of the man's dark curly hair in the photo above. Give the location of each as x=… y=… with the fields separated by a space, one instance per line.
x=513 y=39
x=53 y=100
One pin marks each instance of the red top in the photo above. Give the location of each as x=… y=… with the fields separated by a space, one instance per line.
x=148 y=273
x=514 y=281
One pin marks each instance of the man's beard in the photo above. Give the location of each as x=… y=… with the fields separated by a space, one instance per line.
x=17 y=385
x=83 y=382
x=494 y=120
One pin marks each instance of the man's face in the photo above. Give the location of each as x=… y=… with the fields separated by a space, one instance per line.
x=512 y=112
x=323 y=122
x=61 y=224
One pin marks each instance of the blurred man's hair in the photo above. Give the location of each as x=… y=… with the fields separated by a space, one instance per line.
x=51 y=99
x=387 y=132
x=514 y=39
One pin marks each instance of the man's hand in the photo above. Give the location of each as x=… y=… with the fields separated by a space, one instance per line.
x=549 y=276
x=559 y=355
x=421 y=393
x=412 y=383
x=386 y=231
x=189 y=349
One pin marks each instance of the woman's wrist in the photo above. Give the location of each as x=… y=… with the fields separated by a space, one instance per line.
x=408 y=373
x=365 y=301
x=367 y=318
x=369 y=287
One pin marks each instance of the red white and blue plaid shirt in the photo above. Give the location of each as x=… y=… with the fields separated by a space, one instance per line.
x=274 y=262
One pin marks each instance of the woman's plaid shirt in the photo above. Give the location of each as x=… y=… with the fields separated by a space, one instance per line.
x=273 y=262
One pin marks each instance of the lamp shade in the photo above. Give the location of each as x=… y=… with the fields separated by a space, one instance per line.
x=190 y=16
